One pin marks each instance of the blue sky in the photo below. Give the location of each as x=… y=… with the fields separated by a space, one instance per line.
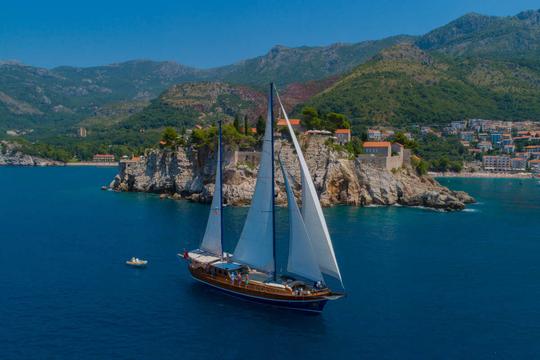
x=212 y=33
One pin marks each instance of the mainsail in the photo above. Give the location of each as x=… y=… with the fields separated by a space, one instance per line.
x=212 y=236
x=256 y=244
x=302 y=260
x=312 y=213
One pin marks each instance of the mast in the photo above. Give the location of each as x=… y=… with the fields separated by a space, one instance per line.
x=220 y=164
x=271 y=105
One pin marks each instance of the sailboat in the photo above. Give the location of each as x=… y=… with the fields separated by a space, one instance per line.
x=250 y=272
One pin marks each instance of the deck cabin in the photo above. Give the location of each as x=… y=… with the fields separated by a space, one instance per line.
x=217 y=268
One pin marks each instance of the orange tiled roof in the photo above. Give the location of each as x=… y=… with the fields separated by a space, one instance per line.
x=377 y=144
x=535 y=161
x=283 y=122
x=253 y=130
x=343 y=131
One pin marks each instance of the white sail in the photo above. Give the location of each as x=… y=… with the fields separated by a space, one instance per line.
x=256 y=244
x=302 y=260
x=312 y=213
x=212 y=236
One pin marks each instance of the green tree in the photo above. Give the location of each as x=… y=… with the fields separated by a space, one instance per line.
x=335 y=121
x=422 y=167
x=310 y=118
x=400 y=137
x=236 y=122
x=354 y=147
x=261 y=125
x=169 y=136
x=246 y=131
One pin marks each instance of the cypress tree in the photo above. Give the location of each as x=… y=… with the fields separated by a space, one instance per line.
x=236 y=123
x=246 y=125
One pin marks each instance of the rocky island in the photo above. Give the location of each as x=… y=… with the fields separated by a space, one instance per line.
x=188 y=173
x=11 y=155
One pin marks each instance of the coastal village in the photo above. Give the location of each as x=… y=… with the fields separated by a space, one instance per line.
x=495 y=147
x=378 y=153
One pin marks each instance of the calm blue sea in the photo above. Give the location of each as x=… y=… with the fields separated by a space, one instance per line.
x=421 y=284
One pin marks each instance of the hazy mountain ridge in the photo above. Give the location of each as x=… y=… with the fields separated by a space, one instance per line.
x=66 y=94
x=285 y=65
x=34 y=97
x=481 y=56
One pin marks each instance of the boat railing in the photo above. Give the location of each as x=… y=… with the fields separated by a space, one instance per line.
x=254 y=285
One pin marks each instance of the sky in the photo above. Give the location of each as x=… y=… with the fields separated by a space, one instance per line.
x=212 y=33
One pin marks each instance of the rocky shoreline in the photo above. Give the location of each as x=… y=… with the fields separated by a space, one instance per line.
x=10 y=155
x=188 y=173
x=483 y=175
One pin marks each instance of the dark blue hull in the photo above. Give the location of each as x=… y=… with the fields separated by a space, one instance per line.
x=313 y=306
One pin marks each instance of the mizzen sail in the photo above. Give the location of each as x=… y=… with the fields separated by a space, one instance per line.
x=256 y=244
x=302 y=260
x=212 y=236
x=312 y=213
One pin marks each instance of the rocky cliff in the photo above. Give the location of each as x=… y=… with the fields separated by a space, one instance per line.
x=189 y=173
x=10 y=155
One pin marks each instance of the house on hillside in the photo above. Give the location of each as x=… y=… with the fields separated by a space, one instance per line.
x=383 y=154
x=380 y=148
x=374 y=135
x=295 y=123
x=485 y=146
x=343 y=136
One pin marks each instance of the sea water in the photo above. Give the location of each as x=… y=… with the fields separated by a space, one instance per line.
x=420 y=283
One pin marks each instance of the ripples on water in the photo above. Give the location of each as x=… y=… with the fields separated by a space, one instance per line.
x=421 y=284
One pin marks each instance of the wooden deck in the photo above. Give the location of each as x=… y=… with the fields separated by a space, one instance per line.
x=255 y=288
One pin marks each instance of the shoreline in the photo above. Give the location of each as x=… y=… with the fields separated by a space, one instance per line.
x=80 y=164
x=89 y=163
x=482 y=175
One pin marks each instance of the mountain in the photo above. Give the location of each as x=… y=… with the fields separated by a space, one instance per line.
x=480 y=35
x=475 y=66
x=33 y=97
x=201 y=102
x=36 y=97
x=284 y=65
x=405 y=85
